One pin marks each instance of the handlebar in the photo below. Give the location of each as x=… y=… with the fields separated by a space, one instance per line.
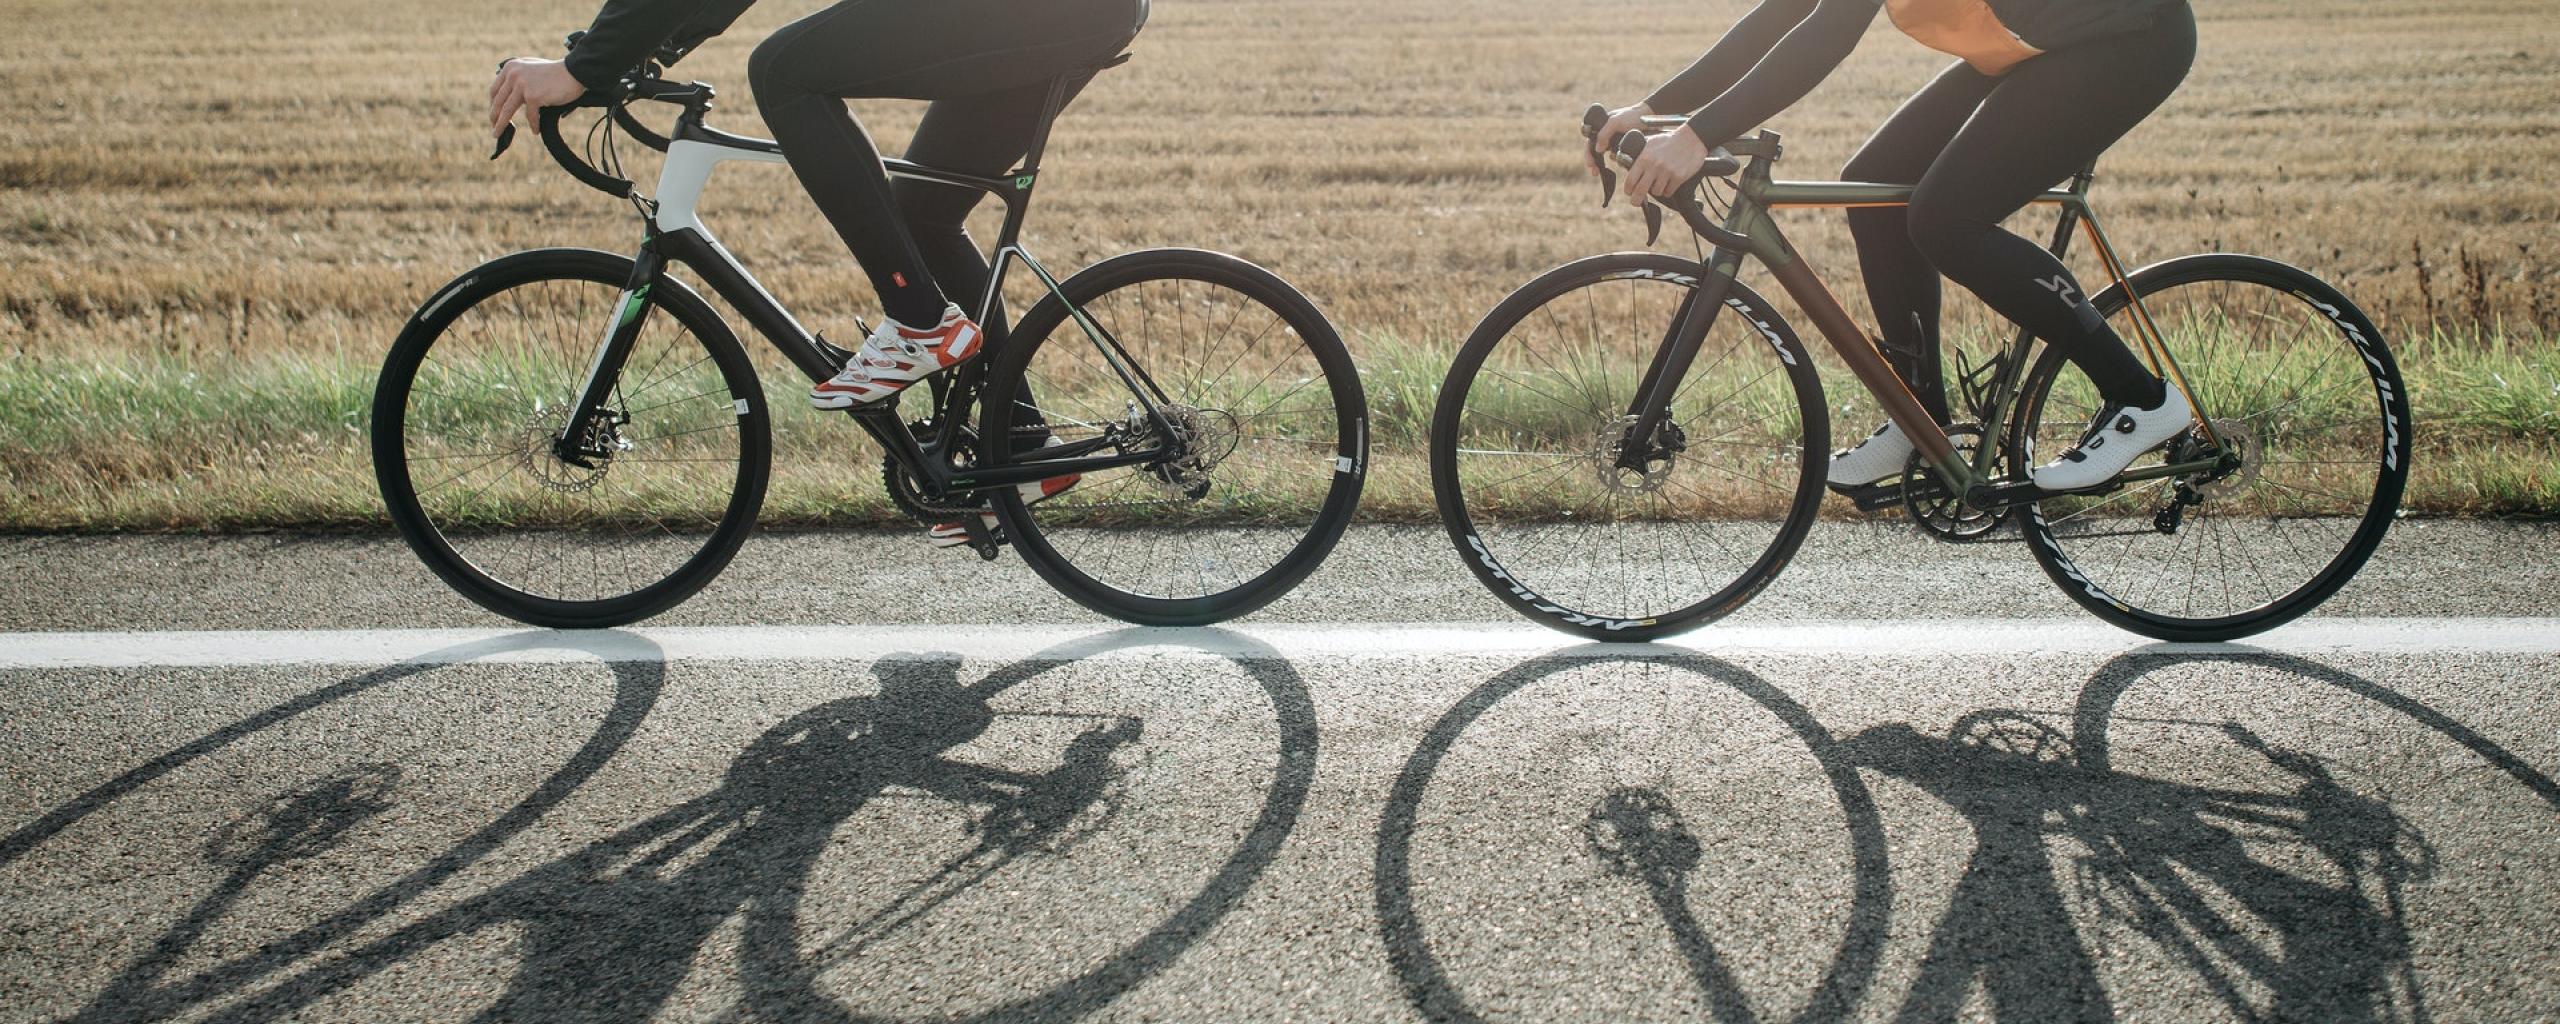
x=1722 y=161
x=642 y=83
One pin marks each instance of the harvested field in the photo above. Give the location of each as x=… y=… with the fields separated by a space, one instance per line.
x=237 y=195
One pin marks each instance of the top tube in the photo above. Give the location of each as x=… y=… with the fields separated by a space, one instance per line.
x=1858 y=194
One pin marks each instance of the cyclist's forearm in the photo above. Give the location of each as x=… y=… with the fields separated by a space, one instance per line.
x=624 y=34
x=1807 y=55
x=1722 y=65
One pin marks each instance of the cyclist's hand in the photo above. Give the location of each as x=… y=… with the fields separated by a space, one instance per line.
x=529 y=84
x=1621 y=121
x=1669 y=158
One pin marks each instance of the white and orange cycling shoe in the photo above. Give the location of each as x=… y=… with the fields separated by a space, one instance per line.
x=895 y=356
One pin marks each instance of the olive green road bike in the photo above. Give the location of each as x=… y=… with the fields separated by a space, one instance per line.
x=1634 y=444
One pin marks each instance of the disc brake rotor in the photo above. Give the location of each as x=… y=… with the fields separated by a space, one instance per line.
x=2238 y=439
x=1206 y=438
x=1609 y=443
x=558 y=475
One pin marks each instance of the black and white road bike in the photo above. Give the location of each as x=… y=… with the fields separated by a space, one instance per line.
x=574 y=438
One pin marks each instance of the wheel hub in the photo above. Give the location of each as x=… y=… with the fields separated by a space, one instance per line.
x=2240 y=458
x=541 y=457
x=1609 y=447
x=1202 y=439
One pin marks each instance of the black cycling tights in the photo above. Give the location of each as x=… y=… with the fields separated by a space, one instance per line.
x=987 y=66
x=1980 y=148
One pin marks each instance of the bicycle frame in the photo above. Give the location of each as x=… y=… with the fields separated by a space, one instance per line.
x=1749 y=230
x=676 y=234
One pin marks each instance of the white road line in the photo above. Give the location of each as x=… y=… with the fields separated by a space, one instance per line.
x=1903 y=638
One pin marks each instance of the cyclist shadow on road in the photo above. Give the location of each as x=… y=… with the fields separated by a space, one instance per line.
x=2276 y=889
x=610 y=930
x=2280 y=885
x=311 y=819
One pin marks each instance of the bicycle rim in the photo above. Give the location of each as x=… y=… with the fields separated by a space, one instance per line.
x=481 y=383
x=2293 y=379
x=1271 y=456
x=1526 y=441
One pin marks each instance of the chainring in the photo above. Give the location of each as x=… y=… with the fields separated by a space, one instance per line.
x=911 y=499
x=1946 y=516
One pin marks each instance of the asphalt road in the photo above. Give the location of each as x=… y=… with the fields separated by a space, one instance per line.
x=387 y=805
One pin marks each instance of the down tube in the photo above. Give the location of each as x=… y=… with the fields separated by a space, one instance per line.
x=1845 y=337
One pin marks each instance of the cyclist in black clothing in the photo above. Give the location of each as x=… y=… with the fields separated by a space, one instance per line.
x=2045 y=86
x=985 y=64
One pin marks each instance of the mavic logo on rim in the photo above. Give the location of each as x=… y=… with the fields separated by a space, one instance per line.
x=1766 y=331
x=2381 y=383
x=1658 y=275
x=1542 y=604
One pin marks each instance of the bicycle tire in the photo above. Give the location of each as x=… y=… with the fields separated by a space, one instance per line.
x=536 y=318
x=2269 y=348
x=1258 y=525
x=1516 y=542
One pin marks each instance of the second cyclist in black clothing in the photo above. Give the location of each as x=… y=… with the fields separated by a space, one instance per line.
x=2045 y=87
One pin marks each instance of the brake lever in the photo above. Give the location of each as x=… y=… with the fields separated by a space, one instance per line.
x=506 y=137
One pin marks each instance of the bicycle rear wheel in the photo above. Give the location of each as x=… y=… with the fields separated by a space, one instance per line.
x=1252 y=495
x=1525 y=448
x=481 y=381
x=2305 y=397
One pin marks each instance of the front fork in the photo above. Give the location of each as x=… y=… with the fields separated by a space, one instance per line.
x=588 y=436
x=1672 y=359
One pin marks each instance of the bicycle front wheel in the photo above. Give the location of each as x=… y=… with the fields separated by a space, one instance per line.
x=1271 y=440
x=2309 y=421
x=481 y=382
x=1528 y=440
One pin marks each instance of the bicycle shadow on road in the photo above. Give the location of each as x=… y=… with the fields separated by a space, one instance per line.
x=611 y=929
x=2277 y=888
x=2279 y=884
x=310 y=819
x=1636 y=833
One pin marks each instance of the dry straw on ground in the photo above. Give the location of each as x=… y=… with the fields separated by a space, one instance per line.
x=230 y=178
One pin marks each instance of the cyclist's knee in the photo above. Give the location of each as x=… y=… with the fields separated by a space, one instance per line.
x=768 y=71
x=1944 y=234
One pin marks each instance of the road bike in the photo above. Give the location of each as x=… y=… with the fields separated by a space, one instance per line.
x=574 y=438
x=1633 y=444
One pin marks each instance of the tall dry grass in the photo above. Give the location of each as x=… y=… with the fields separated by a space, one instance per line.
x=215 y=181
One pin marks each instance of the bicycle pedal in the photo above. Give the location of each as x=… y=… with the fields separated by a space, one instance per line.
x=987 y=542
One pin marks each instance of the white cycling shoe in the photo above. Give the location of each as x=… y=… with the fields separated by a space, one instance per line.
x=1880 y=457
x=2116 y=437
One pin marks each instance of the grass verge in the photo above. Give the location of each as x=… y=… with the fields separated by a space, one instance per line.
x=164 y=442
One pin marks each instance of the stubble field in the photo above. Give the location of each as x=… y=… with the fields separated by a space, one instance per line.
x=221 y=211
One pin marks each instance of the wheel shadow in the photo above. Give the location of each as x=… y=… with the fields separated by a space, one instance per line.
x=316 y=816
x=612 y=928
x=2282 y=896
x=1636 y=833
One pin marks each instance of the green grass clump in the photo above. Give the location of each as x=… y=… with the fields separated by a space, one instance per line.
x=164 y=441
